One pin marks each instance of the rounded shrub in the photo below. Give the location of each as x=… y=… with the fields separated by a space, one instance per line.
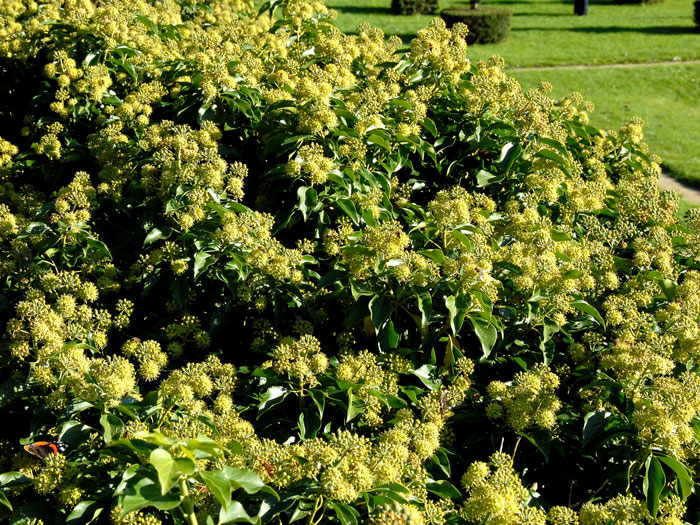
x=487 y=25
x=256 y=270
x=413 y=7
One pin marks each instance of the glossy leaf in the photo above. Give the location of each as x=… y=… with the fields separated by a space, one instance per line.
x=654 y=482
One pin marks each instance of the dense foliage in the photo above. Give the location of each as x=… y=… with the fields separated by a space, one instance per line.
x=487 y=25
x=412 y=7
x=254 y=269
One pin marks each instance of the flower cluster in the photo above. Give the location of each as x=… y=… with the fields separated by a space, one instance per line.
x=496 y=494
x=529 y=400
x=386 y=253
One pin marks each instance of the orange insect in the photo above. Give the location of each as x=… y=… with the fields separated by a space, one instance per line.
x=269 y=468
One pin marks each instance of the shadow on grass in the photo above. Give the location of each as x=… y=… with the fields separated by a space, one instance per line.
x=655 y=30
x=358 y=10
x=548 y=15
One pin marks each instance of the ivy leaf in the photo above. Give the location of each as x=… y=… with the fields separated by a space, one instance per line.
x=146 y=492
x=593 y=422
x=244 y=479
x=85 y=512
x=307 y=200
x=381 y=308
x=206 y=445
x=654 y=482
x=586 y=308
x=444 y=489
x=685 y=481
x=487 y=335
x=509 y=153
x=484 y=178
x=442 y=461
x=375 y=138
x=35 y=228
x=355 y=406
x=234 y=511
x=13 y=479
x=458 y=309
x=425 y=374
x=430 y=126
x=202 y=260
x=165 y=467
x=219 y=485
x=549 y=154
x=346 y=514
x=4 y=501
x=272 y=396
x=156 y=234
x=435 y=254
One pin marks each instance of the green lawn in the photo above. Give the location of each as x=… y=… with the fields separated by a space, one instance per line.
x=546 y=32
x=666 y=97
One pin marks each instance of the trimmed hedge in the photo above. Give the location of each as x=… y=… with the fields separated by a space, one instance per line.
x=487 y=25
x=413 y=7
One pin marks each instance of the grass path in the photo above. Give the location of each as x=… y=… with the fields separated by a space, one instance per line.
x=688 y=193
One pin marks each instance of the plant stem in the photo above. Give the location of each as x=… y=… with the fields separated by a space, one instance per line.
x=187 y=504
x=317 y=505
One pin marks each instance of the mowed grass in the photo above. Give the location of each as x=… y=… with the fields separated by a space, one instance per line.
x=666 y=97
x=547 y=33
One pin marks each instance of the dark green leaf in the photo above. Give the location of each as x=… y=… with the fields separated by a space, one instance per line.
x=219 y=485
x=435 y=254
x=458 y=309
x=381 y=308
x=549 y=154
x=166 y=468
x=100 y=247
x=425 y=374
x=355 y=406
x=13 y=479
x=4 y=501
x=35 y=228
x=85 y=512
x=430 y=126
x=144 y=493
x=307 y=200
x=156 y=234
x=375 y=138
x=586 y=308
x=593 y=423
x=441 y=460
x=444 y=489
x=235 y=512
x=486 y=333
x=668 y=287
x=484 y=178
x=202 y=260
x=346 y=514
x=272 y=396
x=685 y=481
x=244 y=479
x=654 y=482
x=509 y=153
